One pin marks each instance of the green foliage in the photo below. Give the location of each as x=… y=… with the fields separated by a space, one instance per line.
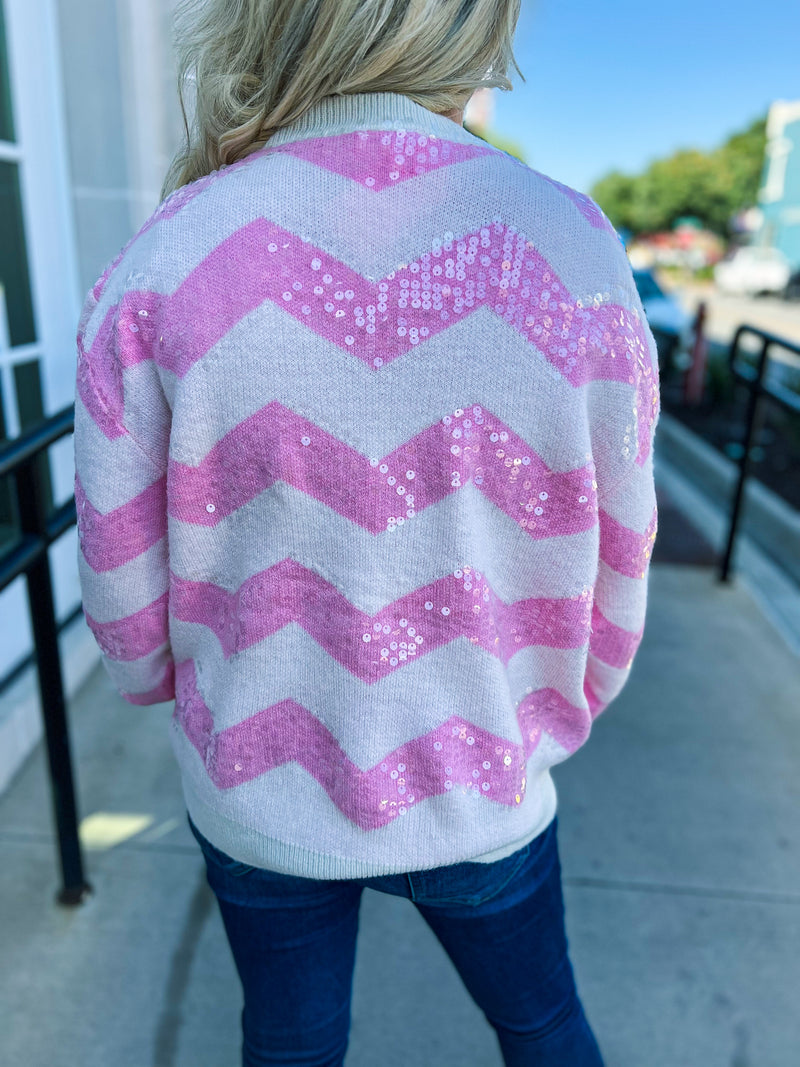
x=713 y=186
x=505 y=144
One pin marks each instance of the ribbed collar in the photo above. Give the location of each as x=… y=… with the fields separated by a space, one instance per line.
x=370 y=111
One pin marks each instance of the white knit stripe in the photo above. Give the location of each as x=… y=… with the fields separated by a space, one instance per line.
x=541 y=667
x=124 y=471
x=614 y=438
x=606 y=681
x=295 y=525
x=432 y=688
x=116 y=594
x=622 y=600
x=271 y=356
x=141 y=675
x=461 y=199
x=440 y=830
x=633 y=501
x=127 y=276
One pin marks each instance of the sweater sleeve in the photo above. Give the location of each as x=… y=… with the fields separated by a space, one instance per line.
x=623 y=416
x=121 y=446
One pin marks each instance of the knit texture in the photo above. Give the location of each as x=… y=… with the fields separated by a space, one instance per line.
x=363 y=451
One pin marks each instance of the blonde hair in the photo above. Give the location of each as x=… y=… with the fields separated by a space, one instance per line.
x=257 y=65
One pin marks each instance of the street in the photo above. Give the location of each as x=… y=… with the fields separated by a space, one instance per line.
x=726 y=312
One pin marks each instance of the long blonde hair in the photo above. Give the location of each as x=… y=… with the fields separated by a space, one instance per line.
x=256 y=65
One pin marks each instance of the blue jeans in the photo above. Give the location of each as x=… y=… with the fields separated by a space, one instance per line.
x=502 y=924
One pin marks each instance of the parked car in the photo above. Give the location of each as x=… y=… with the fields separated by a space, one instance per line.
x=792 y=290
x=671 y=326
x=753 y=271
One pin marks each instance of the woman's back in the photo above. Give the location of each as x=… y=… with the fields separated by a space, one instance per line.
x=402 y=393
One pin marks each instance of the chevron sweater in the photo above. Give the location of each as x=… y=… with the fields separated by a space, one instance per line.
x=364 y=484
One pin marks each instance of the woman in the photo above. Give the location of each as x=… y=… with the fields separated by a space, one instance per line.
x=363 y=445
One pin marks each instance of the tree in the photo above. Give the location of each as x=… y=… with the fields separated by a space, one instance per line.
x=713 y=186
x=614 y=194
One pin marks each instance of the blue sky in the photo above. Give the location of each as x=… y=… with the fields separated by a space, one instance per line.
x=618 y=84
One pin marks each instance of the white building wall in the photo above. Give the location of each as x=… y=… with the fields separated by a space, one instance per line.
x=123 y=118
x=97 y=120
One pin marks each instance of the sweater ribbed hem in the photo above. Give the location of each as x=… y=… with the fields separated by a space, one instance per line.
x=259 y=850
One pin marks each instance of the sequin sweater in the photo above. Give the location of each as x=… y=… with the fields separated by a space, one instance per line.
x=363 y=451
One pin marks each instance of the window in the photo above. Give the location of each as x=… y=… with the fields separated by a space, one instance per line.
x=21 y=401
x=6 y=118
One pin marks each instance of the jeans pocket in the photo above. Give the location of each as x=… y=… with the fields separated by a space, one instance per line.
x=472 y=884
x=468 y=884
x=502 y=872
x=216 y=857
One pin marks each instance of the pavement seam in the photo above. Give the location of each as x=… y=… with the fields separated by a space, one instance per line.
x=753 y=896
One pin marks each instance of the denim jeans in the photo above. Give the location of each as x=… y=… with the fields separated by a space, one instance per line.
x=502 y=924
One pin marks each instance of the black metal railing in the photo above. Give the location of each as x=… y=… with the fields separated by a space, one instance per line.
x=754 y=377
x=28 y=556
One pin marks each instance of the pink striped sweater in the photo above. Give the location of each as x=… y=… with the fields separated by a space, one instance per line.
x=363 y=455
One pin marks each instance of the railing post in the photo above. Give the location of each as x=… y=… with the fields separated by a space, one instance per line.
x=694 y=381
x=33 y=520
x=744 y=459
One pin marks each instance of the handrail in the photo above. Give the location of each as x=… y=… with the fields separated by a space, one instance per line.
x=753 y=378
x=28 y=556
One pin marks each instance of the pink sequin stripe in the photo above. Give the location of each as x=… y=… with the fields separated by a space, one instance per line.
x=496 y=265
x=457 y=755
x=378 y=494
x=379 y=158
x=107 y=541
x=98 y=384
x=380 y=321
x=625 y=550
x=373 y=646
x=612 y=644
x=128 y=335
x=136 y=635
x=165 y=690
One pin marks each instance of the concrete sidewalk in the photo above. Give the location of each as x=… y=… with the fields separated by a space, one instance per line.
x=680 y=843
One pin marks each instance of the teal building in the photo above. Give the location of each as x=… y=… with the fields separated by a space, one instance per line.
x=779 y=196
